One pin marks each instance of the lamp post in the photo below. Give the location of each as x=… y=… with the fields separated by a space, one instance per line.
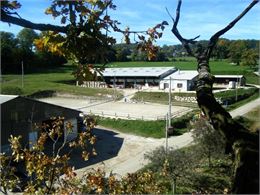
x=114 y=85
x=170 y=128
x=166 y=135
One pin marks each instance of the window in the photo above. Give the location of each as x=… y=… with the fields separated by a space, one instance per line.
x=179 y=85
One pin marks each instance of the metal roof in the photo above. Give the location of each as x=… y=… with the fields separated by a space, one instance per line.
x=6 y=98
x=229 y=76
x=137 y=72
x=182 y=75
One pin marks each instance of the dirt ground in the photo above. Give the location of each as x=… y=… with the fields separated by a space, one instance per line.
x=120 y=109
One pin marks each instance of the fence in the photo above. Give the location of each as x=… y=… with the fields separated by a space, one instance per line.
x=136 y=117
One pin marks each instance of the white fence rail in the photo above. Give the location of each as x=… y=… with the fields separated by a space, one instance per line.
x=111 y=114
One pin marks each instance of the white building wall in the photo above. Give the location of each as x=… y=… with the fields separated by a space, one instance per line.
x=176 y=85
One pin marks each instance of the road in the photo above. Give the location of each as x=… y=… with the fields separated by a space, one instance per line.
x=130 y=156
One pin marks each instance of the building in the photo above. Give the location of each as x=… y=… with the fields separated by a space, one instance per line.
x=181 y=81
x=159 y=77
x=19 y=114
x=229 y=81
x=136 y=77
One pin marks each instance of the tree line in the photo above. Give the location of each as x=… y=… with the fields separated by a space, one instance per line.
x=19 y=49
x=240 y=52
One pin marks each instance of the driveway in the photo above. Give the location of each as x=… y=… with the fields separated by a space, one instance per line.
x=130 y=156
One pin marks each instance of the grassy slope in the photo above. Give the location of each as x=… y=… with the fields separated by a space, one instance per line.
x=60 y=80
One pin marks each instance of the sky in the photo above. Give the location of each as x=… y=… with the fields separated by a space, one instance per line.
x=198 y=17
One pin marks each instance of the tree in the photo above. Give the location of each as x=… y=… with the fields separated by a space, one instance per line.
x=84 y=25
x=173 y=164
x=222 y=49
x=42 y=169
x=241 y=142
x=26 y=38
x=249 y=58
x=9 y=52
x=236 y=49
x=211 y=142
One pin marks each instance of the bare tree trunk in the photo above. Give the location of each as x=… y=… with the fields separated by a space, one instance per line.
x=241 y=143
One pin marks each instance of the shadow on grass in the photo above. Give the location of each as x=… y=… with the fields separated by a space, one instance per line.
x=67 y=82
x=58 y=69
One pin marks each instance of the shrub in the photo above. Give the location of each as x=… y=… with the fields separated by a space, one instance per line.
x=10 y=90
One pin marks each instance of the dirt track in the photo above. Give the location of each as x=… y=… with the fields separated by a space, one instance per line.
x=146 y=111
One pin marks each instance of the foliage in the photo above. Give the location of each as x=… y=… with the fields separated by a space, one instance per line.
x=249 y=58
x=42 y=170
x=25 y=38
x=232 y=96
x=211 y=142
x=188 y=171
x=48 y=172
x=223 y=50
x=251 y=120
x=236 y=50
x=15 y=50
x=10 y=90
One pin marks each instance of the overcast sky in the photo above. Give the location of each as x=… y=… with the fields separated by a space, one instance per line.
x=198 y=17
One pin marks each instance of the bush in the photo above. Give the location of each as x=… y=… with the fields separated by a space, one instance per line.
x=10 y=90
x=231 y=96
x=43 y=94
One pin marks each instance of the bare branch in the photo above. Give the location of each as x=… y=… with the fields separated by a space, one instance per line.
x=214 y=38
x=185 y=42
x=27 y=24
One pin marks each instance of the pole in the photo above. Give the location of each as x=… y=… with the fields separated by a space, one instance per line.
x=236 y=87
x=170 y=102
x=114 y=84
x=22 y=74
x=166 y=135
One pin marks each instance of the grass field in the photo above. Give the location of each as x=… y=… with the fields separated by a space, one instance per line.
x=61 y=80
x=216 y=66
x=58 y=80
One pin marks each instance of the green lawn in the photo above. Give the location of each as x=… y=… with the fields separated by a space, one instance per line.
x=58 y=80
x=216 y=66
